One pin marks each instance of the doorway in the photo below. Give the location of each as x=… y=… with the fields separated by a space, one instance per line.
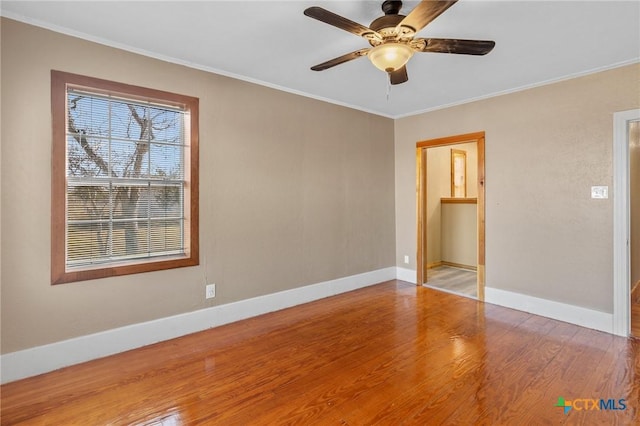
x=457 y=203
x=626 y=222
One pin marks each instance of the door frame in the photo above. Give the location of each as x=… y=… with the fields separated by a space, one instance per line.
x=421 y=197
x=621 y=225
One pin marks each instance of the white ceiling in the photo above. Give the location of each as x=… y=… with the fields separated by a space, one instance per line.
x=274 y=44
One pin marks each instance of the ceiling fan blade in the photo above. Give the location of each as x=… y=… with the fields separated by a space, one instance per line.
x=464 y=47
x=338 y=21
x=425 y=12
x=399 y=76
x=340 y=60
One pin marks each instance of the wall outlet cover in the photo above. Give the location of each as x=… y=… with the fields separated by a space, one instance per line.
x=210 y=291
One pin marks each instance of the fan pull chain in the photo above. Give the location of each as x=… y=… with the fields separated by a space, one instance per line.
x=388 y=89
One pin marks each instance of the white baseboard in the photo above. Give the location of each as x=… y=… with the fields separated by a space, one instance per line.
x=42 y=359
x=584 y=317
x=407 y=275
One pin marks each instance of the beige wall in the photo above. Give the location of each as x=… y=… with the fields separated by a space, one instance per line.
x=545 y=148
x=296 y=191
x=459 y=234
x=293 y=191
x=634 y=188
x=439 y=186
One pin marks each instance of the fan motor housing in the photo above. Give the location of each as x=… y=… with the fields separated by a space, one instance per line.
x=386 y=21
x=386 y=25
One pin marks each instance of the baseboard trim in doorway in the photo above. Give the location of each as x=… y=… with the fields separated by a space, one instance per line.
x=459 y=266
x=577 y=315
x=41 y=359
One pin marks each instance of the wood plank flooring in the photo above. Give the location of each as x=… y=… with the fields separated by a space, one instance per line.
x=635 y=312
x=455 y=280
x=389 y=354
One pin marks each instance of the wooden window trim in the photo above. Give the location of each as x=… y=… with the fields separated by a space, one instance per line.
x=60 y=81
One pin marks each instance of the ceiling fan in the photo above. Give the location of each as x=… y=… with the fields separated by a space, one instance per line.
x=392 y=37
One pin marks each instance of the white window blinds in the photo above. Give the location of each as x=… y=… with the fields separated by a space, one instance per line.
x=125 y=179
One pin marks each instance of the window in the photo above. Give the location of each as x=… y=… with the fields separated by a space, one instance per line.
x=124 y=179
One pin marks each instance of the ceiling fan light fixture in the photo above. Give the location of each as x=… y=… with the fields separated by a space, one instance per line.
x=390 y=57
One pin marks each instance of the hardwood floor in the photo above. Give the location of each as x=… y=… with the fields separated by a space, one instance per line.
x=455 y=280
x=389 y=354
x=635 y=319
x=635 y=312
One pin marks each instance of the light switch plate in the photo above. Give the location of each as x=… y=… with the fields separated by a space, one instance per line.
x=599 y=192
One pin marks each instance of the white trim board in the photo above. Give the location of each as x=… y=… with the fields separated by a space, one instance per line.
x=42 y=359
x=572 y=314
x=408 y=275
x=577 y=315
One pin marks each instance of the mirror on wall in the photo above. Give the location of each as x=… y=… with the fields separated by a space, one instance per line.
x=458 y=173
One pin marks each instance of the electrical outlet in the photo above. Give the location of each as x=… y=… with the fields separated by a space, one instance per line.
x=406 y=259
x=210 y=291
